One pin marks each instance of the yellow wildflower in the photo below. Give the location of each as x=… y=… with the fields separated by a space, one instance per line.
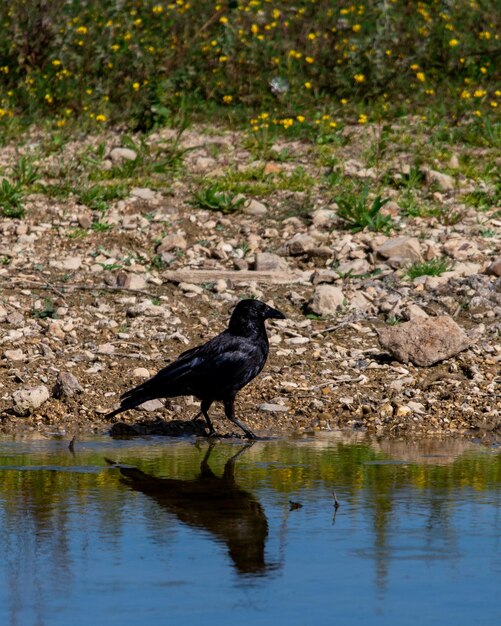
x=363 y=119
x=421 y=77
x=228 y=99
x=356 y=28
x=359 y=78
x=309 y=60
x=300 y=118
x=453 y=43
x=136 y=86
x=308 y=85
x=101 y=117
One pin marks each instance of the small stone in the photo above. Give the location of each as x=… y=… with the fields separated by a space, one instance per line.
x=267 y=261
x=424 y=341
x=71 y=263
x=15 y=318
x=400 y=250
x=29 y=399
x=323 y=217
x=191 y=288
x=119 y=155
x=413 y=311
x=85 y=220
x=175 y=241
x=66 y=386
x=253 y=207
x=494 y=268
x=273 y=408
x=14 y=355
x=354 y=267
x=143 y=193
x=152 y=405
x=106 y=348
x=326 y=300
x=140 y=372
x=443 y=181
x=131 y=281
x=300 y=244
x=460 y=248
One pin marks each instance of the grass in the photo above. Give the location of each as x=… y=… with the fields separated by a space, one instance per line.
x=214 y=199
x=301 y=69
x=11 y=199
x=434 y=267
x=355 y=208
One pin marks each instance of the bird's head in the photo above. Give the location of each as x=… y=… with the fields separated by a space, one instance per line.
x=248 y=313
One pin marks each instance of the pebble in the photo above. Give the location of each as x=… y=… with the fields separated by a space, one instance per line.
x=326 y=300
x=67 y=386
x=119 y=155
x=273 y=408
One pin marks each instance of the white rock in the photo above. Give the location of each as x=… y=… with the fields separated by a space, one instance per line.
x=253 y=207
x=144 y=193
x=267 y=261
x=300 y=244
x=71 y=263
x=174 y=241
x=323 y=217
x=29 y=399
x=400 y=249
x=119 y=155
x=151 y=405
x=14 y=355
x=140 y=372
x=443 y=181
x=326 y=300
x=273 y=408
x=106 y=348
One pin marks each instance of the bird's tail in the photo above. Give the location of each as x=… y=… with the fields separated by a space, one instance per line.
x=132 y=398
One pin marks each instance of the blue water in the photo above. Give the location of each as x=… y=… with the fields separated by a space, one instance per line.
x=416 y=538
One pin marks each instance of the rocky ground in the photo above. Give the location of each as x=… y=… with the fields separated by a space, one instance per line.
x=87 y=312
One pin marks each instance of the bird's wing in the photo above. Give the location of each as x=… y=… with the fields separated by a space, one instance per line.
x=225 y=362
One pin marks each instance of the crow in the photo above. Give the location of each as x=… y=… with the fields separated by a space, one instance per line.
x=216 y=370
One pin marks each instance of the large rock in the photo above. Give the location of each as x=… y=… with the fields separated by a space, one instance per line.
x=326 y=300
x=400 y=250
x=424 y=341
x=29 y=399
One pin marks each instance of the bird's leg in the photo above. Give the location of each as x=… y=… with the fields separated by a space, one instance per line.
x=230 y=414
x=195 y=417
x=204 y=409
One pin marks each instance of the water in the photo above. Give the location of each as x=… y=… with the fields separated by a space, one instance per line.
x=192 y=535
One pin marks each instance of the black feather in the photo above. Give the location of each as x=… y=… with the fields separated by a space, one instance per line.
x=217 y=370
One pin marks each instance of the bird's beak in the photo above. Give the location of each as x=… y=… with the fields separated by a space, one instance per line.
x=274 y=314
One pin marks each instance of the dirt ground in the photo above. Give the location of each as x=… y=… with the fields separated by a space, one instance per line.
x=103 y=308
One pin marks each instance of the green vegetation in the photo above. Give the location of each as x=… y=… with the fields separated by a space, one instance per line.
x=434 y=267
x=215 y=200
x=356 y=209
x=11 y=199
x=299 y=68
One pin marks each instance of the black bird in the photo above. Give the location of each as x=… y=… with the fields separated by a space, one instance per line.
x=216 y=370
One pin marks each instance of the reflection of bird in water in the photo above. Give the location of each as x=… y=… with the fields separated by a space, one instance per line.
x=213 y=503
